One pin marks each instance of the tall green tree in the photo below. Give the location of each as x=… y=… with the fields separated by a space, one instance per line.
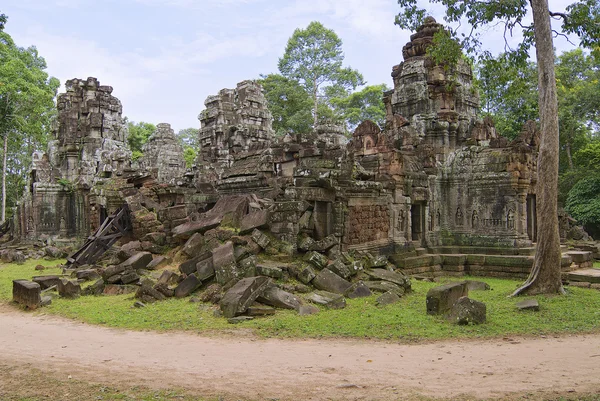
x=508 y=91
x=138 y=136
x=582 y=18
x=313 y=57
x=289 y=103
x=26 y=107
x=366 y=104
x=191 y=144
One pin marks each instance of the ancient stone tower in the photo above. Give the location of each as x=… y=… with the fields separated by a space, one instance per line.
x=163 y=156
x=89 y=148
x=235 y=121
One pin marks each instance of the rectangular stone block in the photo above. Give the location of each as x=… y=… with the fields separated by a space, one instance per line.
x=441 y=299
x=27 y=293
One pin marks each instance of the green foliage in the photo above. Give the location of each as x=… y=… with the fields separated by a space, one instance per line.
x=366 y=104
x=26 y=108
x=583 y=201
x=508 y=89
x=577 y=312
x=138 y=136
x=313 y=57
x=289 y=103
x=3 y=19
x=191 y=146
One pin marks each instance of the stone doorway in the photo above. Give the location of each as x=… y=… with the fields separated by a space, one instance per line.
x=323 y=216
x=531 y=218
x=417 y=218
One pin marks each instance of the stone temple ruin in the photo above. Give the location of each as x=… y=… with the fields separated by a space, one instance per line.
x=436 y=191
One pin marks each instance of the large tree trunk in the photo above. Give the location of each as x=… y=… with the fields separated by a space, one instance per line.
x=4 y=178
x=545 y=274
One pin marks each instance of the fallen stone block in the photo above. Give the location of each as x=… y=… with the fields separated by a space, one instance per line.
x=205 y=269
x=372 y=262
x=239 y=319
x=211 y=294
x=387 y=298
x=158 y=262
x=441 y=299
x=148 y=294
x=46 y=281
x=114 y=279
x=260 y=310
x=129 y=278
x=113 y=270
x=384 y=286
x=477 y=285
x=193 y=245
x=306 y=273
x=260 y=238
x=69 y=288
x=329 y=281
x=263 y=269
x=95 y=289
x=274 y=296
x=394 y=277
x=138 y=261
x=307 y=309
x=358 y=290
x=305 y=243
x=327 y=299
x=168 y=277
x=528 y=304
x=190 y=284
x=316 y=259
x=324 y=244
x=253 y=220
x=87 y=274
x=467 y=311
x=239 y=297
x=114 y=289
x=165 y=290
x=224 y=263
x=247 y=266
x=27 y=293
x=339 y=268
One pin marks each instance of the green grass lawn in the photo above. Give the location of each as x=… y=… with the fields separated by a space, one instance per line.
x=576 y=312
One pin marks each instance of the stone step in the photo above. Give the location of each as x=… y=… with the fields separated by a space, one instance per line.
x=585 y=275
x=421 y=251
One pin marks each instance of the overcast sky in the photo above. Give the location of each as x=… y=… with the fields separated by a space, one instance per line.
x=164 y=57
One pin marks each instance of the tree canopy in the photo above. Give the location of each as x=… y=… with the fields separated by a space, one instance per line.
x=26 y=111
x=138 y=136
x=313 y=57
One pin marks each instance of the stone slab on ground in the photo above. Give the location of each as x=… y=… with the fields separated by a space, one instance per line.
x=467 y=311
x=441 y=299
x=254 y=219
x=274 y=296
x=358 y=290
x=327 y=299
x=386 y=275
x=190 y=284
x=46 y=281
x=473 y=285
x=69 y=288
x=586 y=275
x=329 y=281
x=387 y=298
x=138 y=261
x=27 y=293
x=239 y=297
x=528 y=304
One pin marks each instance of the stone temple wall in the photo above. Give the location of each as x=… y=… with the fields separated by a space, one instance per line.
x=89 y=147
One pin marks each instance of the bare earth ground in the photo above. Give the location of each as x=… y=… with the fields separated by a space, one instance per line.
x=250 y=368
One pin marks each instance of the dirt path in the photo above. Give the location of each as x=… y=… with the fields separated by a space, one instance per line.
x=308 y=369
